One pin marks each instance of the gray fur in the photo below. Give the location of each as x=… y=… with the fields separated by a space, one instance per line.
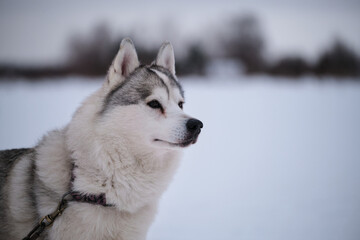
x=138 y=86
x=8 y=160
x=172 y=78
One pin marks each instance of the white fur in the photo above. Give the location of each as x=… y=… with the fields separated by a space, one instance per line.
x=115 y=154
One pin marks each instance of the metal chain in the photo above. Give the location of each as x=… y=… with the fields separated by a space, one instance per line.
x=47 y=220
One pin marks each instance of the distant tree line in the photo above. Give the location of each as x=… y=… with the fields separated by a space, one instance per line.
x=93 y=55
x=244 y=43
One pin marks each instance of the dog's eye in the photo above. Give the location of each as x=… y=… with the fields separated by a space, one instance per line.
x=154 y=104
x=181 y=104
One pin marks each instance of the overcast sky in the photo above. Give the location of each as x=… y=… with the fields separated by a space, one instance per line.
x=37 y=31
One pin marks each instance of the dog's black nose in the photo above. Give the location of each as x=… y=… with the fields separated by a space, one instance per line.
x=193 y=125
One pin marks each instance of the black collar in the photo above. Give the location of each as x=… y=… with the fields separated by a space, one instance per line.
x=98 y=199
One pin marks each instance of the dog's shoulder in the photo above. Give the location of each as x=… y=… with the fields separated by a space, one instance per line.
x=9 y=157
x=14 y=153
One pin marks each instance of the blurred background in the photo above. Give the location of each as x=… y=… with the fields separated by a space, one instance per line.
x=276 y=83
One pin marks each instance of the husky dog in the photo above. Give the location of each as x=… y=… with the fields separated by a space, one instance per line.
x=116 y=156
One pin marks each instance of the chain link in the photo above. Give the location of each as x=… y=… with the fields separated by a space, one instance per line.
x=48 y=220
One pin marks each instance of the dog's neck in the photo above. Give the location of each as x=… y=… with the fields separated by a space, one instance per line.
x=98 y=199
x=113 y=172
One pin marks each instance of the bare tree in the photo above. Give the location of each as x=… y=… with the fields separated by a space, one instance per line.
x=92 y=55
x=339 y=60
x=195 y=61
x=245 y=43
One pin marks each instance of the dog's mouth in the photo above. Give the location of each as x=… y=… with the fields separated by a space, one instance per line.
x=184 y=143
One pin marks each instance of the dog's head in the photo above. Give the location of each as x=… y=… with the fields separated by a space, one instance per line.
x=143 y=105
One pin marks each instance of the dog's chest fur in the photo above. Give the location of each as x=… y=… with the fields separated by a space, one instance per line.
x=129 y=186
x=134 y=188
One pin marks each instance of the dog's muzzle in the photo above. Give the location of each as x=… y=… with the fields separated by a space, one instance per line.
x=193 y=127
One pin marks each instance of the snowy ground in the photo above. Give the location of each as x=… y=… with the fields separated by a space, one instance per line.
x=276 y=160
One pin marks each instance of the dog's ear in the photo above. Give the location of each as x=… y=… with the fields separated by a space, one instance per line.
x=126 y=59
x=165 y=57
x=125 y=62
